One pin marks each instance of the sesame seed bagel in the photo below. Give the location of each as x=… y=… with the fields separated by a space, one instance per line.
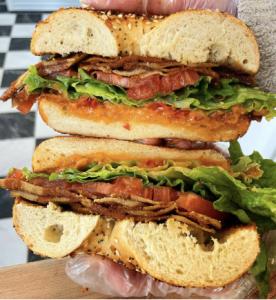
x=192 y=37
x=185 y=261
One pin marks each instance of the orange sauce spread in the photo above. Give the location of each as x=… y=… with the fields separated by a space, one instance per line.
x=155 y=113
x=81 y=162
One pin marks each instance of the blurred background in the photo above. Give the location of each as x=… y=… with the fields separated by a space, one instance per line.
x=20 y=134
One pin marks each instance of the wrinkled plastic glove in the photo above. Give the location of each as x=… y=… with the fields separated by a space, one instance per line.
x=162 y=7
x=111 y=279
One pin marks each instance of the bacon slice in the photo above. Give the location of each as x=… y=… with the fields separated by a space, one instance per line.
x=24 y=101
x=10 y=92
x=58 y=65
x=129 y=66
x=140 y=88
x=15 y=87
x=127 y=63
x=124 y=197
x=122 y=187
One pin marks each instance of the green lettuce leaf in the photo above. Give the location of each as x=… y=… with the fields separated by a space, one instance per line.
x=253 y=169
x=244 y=167
x=261 y=273
x=36 y=83
x=258 y=174
x=235 y=152
x=203 y=95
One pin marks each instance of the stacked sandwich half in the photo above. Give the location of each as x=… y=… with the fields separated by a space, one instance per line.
x=167 y=202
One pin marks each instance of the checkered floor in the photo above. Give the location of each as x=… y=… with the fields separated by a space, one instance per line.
x=19 y=134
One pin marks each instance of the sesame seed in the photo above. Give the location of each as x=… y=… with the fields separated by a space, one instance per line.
x=129 y=26
x=109 y=13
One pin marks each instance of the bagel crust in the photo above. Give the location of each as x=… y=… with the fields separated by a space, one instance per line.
x=76 y=152
x=191 y=37
x=185 y=261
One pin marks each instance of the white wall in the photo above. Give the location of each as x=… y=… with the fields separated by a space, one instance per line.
x=261 y=137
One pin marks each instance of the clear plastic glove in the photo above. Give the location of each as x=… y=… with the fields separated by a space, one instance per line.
x=161 y=7
x=108 y=278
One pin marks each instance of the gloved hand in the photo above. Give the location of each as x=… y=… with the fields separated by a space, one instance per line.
x=162 y=7
x=108 y=278
x=114 y=280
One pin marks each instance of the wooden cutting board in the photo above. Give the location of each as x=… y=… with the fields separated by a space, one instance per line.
x=44 y=279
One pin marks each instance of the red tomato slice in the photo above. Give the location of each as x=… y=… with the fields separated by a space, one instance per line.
x=193 y=202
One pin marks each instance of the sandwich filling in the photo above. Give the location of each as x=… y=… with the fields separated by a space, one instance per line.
x=203 y=196
x=138 y=82
x=206 y=198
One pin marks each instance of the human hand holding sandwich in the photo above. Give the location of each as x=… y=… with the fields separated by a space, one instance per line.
x=110 y=278
x=98 y=271
x=161 y=7
x=123 y=80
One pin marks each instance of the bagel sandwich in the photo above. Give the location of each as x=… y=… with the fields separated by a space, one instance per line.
x=190 y=75
x=144 y=206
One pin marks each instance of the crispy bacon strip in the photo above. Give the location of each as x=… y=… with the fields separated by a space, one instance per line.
x=126 y=63
x=115 y=213
x=15 y=87
x=57 y=65
x=24 y=101
x=125 y=197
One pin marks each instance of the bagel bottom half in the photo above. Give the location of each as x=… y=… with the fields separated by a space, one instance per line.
x=172 y=252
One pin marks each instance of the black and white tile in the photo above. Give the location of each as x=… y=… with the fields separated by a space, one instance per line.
x=19 y=134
